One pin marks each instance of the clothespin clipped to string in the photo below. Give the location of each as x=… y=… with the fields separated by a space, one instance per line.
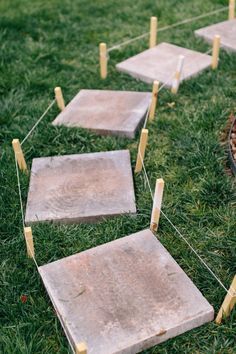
x=228 y=303
x=155 y=89
x=19 y=155
x=141 y=150
x=157 y=201
x=177 y=76
x=59 y=98
x=29 y=241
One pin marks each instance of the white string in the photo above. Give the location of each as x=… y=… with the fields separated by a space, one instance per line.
x=67 y=335
x=165 y=83
x=188 y=20
x=19 y=191
x=192 y=19
x=118 y=46
x=38 y=121
x=179 y=233
x=22 y=212
x=209 y=51
x=194 y=251
x=147 y=115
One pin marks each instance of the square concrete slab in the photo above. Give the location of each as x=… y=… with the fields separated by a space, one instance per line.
x=226 y=30
x=106 y=112
x=124 y=296
x=160 y=63
x=80 y=188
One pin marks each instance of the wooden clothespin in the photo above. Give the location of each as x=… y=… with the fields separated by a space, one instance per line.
x=141 y=150
x=29 y=241
x=228 y=304
x=153 y=32
x=215 y=52
x=81 y=348
x=103 y=60
x=155 y=89
x=231 y=9
x=59 y=98
x=19 y=155
x=157 y=201
x=177 y=77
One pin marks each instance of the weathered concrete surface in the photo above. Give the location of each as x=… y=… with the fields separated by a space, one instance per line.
x=160 y=63
x=106 y=112
x=84 y=187
x=124 y=296
x=226 y=30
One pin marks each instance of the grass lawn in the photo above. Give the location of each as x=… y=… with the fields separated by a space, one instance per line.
x=55 y=43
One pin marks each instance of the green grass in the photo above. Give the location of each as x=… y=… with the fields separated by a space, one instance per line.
x=54 y=43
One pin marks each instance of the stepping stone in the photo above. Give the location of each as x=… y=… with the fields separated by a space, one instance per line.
x=80 y=188
x=160 y=63
x=226 y=30
x=106 y=112
x=124 y=296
